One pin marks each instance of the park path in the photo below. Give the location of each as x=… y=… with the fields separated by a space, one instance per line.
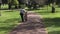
x=34 y=25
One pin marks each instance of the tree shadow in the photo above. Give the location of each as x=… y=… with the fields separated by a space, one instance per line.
x=52 y=21
x=1 y=21
x=33 y=25
x=54 y=32
x=9 y=11
x=4 y=9
x=9 y=24
x=29 y=27
x=12 y=20
x=34 y=9
x=6 y=29
x=43 y=12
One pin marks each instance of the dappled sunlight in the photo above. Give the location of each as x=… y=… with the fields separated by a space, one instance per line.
x=52 y=21
x=54 y=32
x=52 y=25
x=9 y=17
x=11 y=20
x=8 y=20
x=33 y=25
x=7 y=28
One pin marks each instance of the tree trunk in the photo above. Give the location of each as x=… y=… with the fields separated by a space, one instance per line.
x=9 y=5
x=53 y=6
x=16 y=7
x=53 y=9
x=0 y=8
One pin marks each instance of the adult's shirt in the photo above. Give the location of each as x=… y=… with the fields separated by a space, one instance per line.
x=22 y=11
x=0 y=1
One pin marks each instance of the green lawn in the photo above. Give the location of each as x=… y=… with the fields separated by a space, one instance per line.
x=51 y=20
x=9 y=19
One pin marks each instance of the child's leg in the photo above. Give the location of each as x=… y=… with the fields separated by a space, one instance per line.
x=26 y=16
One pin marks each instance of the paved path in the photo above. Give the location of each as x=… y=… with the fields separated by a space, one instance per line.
x=34 y=25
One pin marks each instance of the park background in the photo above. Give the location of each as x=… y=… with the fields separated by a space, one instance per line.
x=9 y=14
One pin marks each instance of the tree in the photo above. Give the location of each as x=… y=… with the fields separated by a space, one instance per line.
x=12 y=2
x=4 y=1
x=9 y=4
x=36 y=3
x=58 y=2
x=0 y=3
x=53 y=6
x=0 y=6
x=22 y=3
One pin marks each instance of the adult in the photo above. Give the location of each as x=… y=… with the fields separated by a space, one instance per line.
x=23 y=14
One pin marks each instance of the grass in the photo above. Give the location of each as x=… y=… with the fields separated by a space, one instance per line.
x=51 y=20
x=9 y=19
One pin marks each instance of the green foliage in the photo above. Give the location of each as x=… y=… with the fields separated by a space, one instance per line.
x=13 y=2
